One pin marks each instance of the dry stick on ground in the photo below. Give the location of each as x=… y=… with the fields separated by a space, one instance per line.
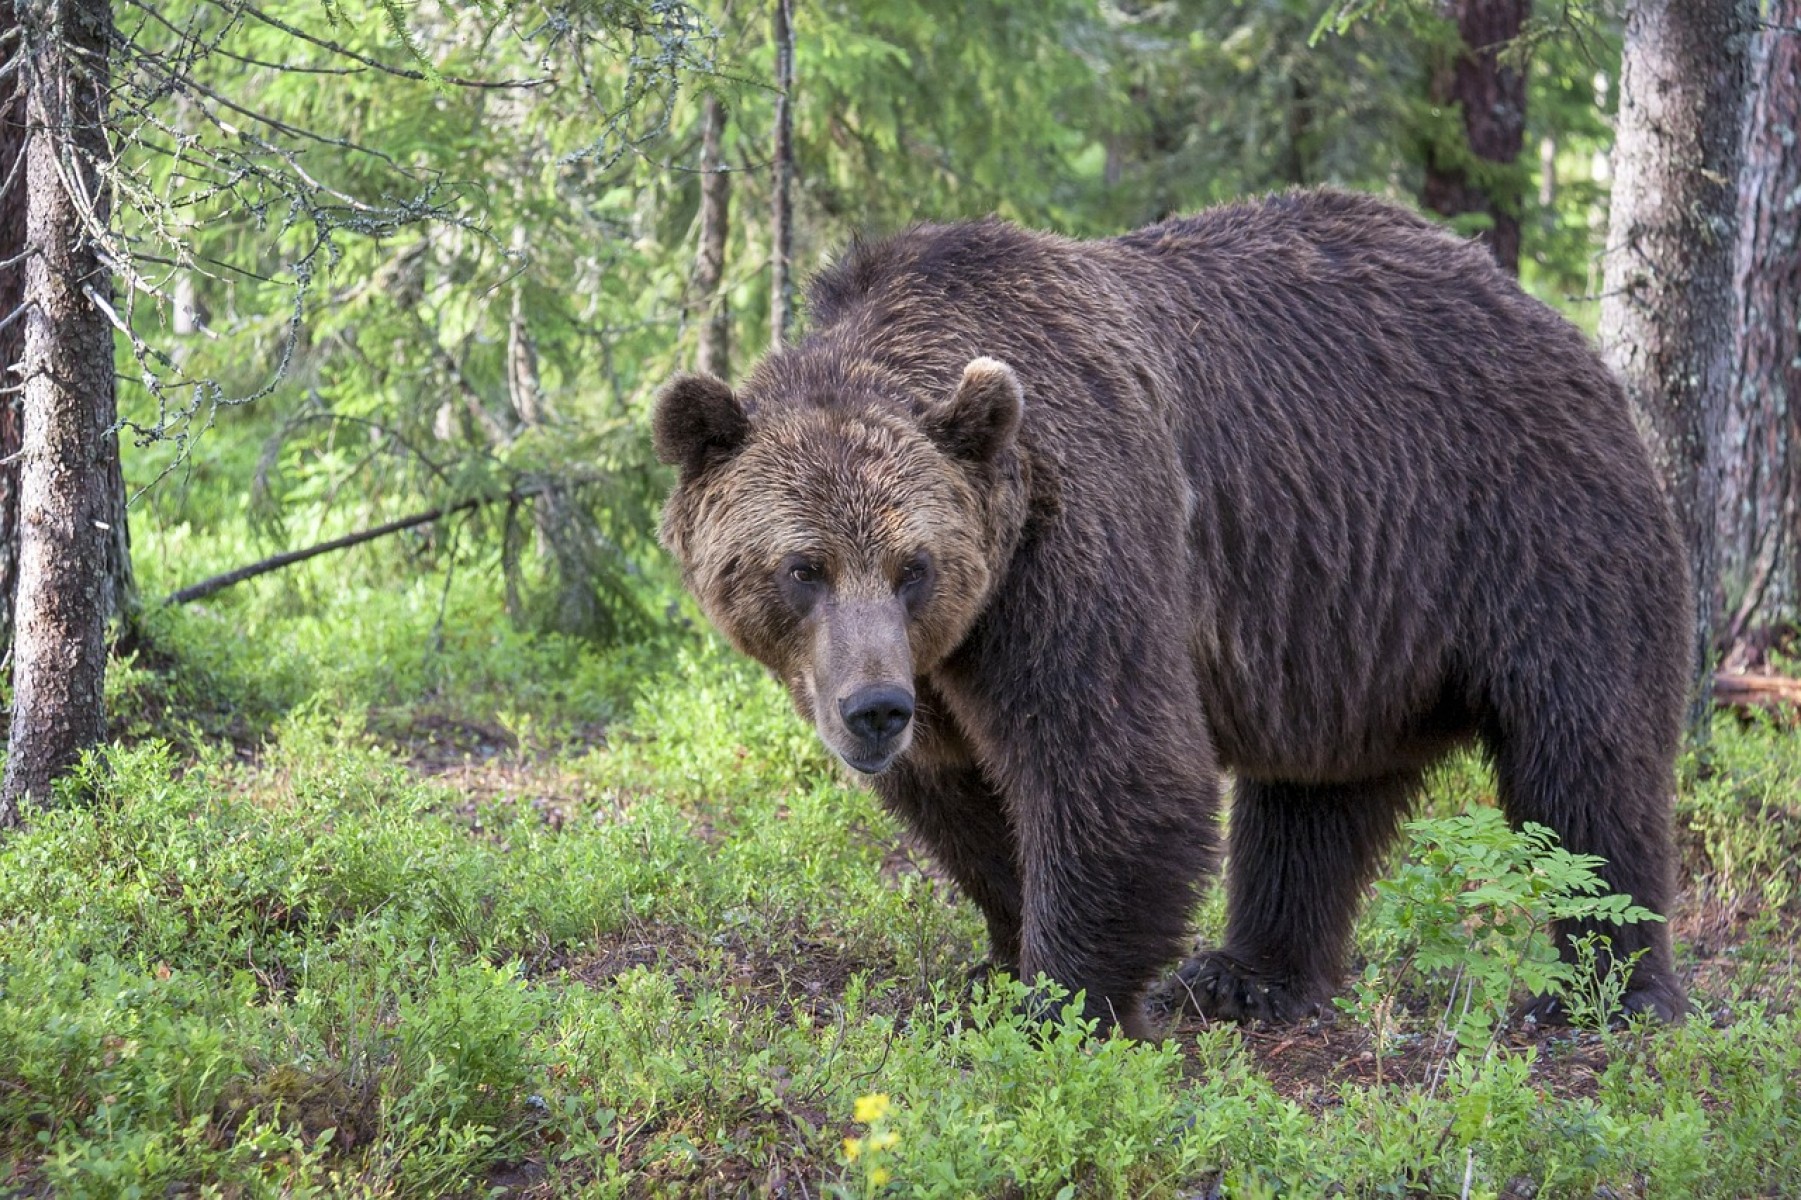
x=1743 y=693
x=219 y=583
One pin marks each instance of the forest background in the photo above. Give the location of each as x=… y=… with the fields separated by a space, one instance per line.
x=463 y=859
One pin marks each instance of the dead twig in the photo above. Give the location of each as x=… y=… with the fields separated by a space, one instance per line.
x=1745 y=692
x=218 y=583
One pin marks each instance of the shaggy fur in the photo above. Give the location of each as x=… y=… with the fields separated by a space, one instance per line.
x=1304 y=488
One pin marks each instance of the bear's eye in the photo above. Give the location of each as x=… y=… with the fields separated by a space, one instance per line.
x=915 y=573
x=801 y=580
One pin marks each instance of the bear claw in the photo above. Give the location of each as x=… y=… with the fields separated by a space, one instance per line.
x=1220 y=988
x=988 y=971
x=1662 y=1003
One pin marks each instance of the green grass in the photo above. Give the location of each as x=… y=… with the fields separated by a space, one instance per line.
x=644 y=941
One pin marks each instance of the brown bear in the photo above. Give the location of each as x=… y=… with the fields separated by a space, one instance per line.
x=1043 y=534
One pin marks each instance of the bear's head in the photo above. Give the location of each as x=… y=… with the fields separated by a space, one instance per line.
x=846 y=543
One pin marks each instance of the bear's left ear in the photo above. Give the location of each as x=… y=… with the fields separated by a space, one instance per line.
x=981 y=418
x=698 y=422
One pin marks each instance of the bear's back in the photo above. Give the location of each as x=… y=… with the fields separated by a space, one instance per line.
x=1403 y=462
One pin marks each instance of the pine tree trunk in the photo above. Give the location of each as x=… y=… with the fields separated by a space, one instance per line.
x=715 y=213
x=12 y=336
x=73 y=570
x=781 y=251
x=1760 y=508
x=1300 y=132
x=1493 y=100
x=1666 y=322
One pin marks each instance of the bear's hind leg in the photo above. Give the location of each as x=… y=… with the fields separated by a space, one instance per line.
x=1300 y=857
x=1602 y=796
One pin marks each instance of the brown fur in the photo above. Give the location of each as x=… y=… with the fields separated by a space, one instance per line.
x=1303 y=487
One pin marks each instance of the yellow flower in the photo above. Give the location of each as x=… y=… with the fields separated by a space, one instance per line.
x=884 y=1139
x=872 y=1107
x=878 y=1176
x=852 y=1148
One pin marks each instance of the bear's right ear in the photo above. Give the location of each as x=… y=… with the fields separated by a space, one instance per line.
x=983 y=415
x=698 y=422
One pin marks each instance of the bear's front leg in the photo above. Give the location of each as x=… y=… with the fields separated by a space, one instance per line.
x=1115 y=829
x=1077 y=690
x=941 y=795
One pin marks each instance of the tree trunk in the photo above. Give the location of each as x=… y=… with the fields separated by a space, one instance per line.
x=1300 y=132
x=525 y=391
x=781 y=285
x=72 y=569
x=709 y=274
x=1666 y=323
x=1760 y=505
x=12 y=335
x=1493 y=100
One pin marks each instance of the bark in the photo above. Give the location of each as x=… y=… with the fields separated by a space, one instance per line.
x=715 y=213
x=1492 y=98
x=781 y=284
x=1760 y=505
x=1666 y=323
x=12 y=336
x=73 y=571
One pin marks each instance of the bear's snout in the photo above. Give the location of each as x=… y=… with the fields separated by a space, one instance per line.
x=861 y=680
x=877 y=714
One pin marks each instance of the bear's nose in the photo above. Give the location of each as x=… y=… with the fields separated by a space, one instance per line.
x=877 y=713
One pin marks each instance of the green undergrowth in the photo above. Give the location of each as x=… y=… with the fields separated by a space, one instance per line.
x=659 y=947
x=398 y=653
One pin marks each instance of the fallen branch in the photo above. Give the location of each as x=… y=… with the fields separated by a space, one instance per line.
x=1743 y=693
x=219 y=583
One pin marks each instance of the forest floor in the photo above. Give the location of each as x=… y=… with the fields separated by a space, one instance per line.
x=378 y=896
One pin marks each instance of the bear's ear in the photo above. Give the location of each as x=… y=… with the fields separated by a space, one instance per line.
x=982 y=417
x=698 y=422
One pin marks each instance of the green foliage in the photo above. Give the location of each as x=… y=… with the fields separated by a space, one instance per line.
x=1043 y=1110
x=1741 y=812
x=449 y=250
x=684 y=957
x=388 y=896
x=1234 y=101
x=1473 y=908
x=439 y=281
x=956 y=110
